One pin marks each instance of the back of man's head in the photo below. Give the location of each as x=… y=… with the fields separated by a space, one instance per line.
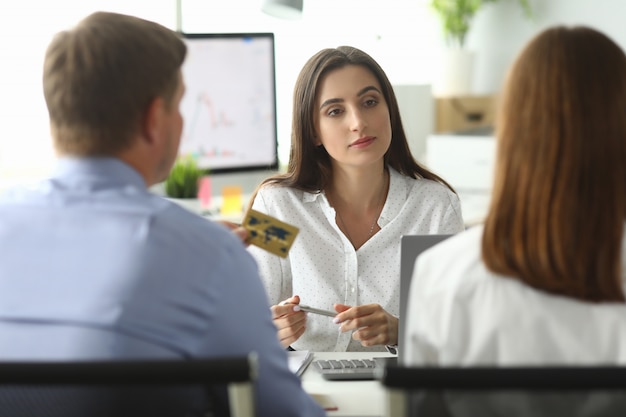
x=100 y=77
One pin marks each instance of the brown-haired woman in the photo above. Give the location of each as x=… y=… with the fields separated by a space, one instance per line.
x=543 y=280
x=352 y=188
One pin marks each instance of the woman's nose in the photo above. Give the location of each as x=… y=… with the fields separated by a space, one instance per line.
x=357 y=120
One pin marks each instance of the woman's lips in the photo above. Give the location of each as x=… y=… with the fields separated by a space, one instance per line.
x=362 y=142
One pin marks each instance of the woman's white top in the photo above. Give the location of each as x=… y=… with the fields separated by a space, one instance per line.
x=459 y=313
x=323 y=267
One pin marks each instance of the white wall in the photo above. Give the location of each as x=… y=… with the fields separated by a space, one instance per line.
x=26 y=28
x=403 y=35
x=500 y=31
x=398 y=33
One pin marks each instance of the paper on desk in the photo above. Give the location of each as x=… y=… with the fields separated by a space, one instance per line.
x=325 y=401
x=299 y=360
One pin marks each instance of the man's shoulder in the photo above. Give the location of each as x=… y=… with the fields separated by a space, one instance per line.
x=192 y=229
x=22 y=192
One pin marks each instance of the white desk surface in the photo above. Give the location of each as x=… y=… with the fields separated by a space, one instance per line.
x=353 y=398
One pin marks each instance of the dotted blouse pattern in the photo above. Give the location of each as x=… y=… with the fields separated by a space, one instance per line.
x=323 y=267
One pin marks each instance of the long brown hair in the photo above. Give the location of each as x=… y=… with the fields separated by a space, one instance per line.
x=559 y=199
x=309 y=167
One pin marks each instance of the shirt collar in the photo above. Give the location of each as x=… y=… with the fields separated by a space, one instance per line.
x=106 y=169
x=398 y=192
x=398 y=188
x=308 y=197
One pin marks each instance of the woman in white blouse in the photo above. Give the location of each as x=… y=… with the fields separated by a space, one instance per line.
x=542 y=282
x=353 y=188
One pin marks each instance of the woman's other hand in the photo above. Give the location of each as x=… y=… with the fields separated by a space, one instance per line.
x=372 y=324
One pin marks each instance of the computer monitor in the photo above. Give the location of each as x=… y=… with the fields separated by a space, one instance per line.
x=229 y=107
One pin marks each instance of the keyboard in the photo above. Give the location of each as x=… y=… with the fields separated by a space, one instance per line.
x=351 y=369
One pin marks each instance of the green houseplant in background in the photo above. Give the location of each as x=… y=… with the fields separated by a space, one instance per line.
x=183 y=179
x=454 y=77
x=456 y=17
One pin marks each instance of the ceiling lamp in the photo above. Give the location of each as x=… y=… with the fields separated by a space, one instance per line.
x=284 y=9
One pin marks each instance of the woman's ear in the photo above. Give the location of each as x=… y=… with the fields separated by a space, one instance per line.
x=316 y=139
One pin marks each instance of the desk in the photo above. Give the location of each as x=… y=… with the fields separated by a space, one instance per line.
x=353 y=398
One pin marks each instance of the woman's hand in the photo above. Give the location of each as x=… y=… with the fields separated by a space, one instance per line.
x=289 y=320
x=372 y=325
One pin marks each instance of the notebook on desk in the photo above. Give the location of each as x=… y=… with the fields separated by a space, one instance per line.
x=349 y=369
x=299 y=360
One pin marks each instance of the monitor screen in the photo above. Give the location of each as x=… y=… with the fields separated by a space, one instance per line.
x=229 y=106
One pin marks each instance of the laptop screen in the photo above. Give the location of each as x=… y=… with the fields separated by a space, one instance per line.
x=410 y=247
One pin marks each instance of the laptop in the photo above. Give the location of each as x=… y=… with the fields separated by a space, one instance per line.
x=349 y=369
x=411 y=246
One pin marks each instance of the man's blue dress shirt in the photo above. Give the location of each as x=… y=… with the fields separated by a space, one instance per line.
x=92 y=265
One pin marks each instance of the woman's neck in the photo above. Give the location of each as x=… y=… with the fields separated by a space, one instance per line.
x=358 y=201
x=358 y=190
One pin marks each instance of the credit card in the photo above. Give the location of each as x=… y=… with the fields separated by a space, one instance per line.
x=269 y=233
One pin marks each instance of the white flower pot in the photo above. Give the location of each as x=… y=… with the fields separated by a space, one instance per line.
x=456 y=74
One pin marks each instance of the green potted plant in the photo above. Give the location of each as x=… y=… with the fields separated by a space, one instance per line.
x=182 y=182
x=181 y=185
x=456 y=17
x=455 y=76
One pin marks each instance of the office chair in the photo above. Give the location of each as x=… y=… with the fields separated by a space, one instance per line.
x=504 y=391
x=138 y=388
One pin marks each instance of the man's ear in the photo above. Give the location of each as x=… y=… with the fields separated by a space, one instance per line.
x=153 y=120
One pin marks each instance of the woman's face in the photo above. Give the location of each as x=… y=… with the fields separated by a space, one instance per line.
x=352 y=119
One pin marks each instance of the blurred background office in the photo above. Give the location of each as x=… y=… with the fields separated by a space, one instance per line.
x=404 y=36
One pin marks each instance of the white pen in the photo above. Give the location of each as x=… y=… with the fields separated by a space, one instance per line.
x=317 y=311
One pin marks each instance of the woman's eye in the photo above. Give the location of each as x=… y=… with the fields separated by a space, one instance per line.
x=371 y=102
x=334 y=112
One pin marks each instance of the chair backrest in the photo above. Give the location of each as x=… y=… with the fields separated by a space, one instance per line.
x=129 y=387
x=504 y=391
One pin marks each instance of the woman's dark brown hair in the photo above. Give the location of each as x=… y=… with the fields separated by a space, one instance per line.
x=309 y=167
x=559 y=200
